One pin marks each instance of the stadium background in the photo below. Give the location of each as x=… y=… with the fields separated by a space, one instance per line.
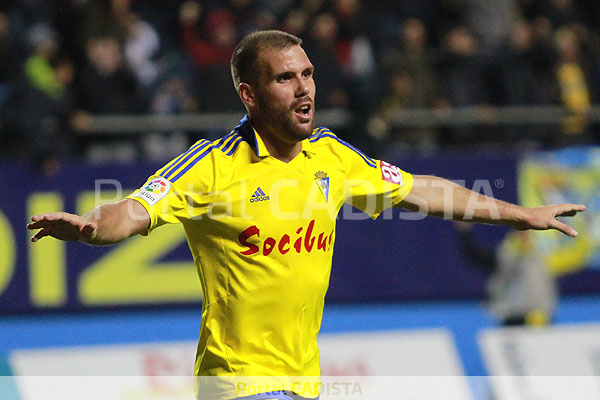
x=496 y=95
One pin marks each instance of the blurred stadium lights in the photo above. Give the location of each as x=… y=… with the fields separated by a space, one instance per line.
x=341 y=118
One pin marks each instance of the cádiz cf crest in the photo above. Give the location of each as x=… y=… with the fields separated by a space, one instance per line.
x=323 y=182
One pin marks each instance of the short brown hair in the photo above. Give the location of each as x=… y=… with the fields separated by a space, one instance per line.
x=244 y=67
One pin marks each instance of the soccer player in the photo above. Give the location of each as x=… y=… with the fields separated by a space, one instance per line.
x=259 y=209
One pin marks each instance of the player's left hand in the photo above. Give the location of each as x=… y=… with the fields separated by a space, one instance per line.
x=545 y=217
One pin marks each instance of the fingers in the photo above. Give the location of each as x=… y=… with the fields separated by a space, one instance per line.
x=564 y=228
x=43 y=220
x=569 y=210
x=571 y=213
x=39 y=221
x=40 y=234
x=38 y=225
x=62 y=226
x=45 y=217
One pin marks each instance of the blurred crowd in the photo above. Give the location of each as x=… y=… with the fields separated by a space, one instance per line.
x=63 y=61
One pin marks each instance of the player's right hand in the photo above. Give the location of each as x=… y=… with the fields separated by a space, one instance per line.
x=63 y=226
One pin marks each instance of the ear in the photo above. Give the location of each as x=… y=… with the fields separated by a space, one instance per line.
x=247 y=95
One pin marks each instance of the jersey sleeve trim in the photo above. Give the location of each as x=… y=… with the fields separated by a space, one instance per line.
x=407 y=185
x=147 y=207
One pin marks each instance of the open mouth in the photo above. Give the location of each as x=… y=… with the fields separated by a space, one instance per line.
x=304 y=112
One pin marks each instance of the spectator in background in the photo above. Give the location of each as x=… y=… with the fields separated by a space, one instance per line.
x=410 y=53
x=322 y=47
x=213 y=46
x=515 y=69
x=574 y=89
x=462 y=68
x=490 y=21
x=141 y=47
x=7 y=59
x=349 y=40
x=251 y=15
x=343 y=72
x=265 y=19
x=356 y=56
x=210 y=53
x=462 y=71
x=17 y=19
x=24 y=14
x=401 y=94
x=106 y=86
x=102 y=18
x=40 y=104
x=313 y=7
x=279 y=8
x=412 y=84
x=382 y=23
x=295 y=22
x=544 y=58
x=173 y=95
x=521 y=82
x=561 y=13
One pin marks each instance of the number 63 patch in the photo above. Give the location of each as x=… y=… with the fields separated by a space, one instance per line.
x=390 y=173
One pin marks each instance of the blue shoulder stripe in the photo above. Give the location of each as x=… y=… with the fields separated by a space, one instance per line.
x=234 y=145
x=190 y=154
x=207 y=150
x=223 y=139
x=227 y=139
x=227 y=144
x=225 y=148
x=318 y=132
x=169 y=168
x=327 y=133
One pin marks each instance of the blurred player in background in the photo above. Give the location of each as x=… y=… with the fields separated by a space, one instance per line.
x=521 y=288
x=259 y=208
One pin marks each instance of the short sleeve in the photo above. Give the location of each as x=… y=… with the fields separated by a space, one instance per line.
x=373 y=186
x=162 y=200
x=168 y=194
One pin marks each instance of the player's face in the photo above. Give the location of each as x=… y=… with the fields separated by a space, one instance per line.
x=285 y=93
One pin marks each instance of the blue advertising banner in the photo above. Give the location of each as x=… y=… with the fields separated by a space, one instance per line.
x=400 y=256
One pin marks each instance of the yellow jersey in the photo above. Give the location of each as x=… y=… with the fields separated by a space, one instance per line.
x=261 y=232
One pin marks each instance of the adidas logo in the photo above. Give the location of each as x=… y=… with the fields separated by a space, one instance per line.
x=258 y=195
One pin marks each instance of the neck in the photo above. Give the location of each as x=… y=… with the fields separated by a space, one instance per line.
x=283 y=151
x=277 y=146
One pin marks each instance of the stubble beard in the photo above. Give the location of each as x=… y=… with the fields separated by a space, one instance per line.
x=284 y=123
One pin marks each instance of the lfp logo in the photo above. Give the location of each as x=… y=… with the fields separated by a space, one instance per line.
x=157 y=186
x=154 y=191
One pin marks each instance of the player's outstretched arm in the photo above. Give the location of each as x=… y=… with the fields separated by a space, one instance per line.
x=107 y=224
x=442 y=198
